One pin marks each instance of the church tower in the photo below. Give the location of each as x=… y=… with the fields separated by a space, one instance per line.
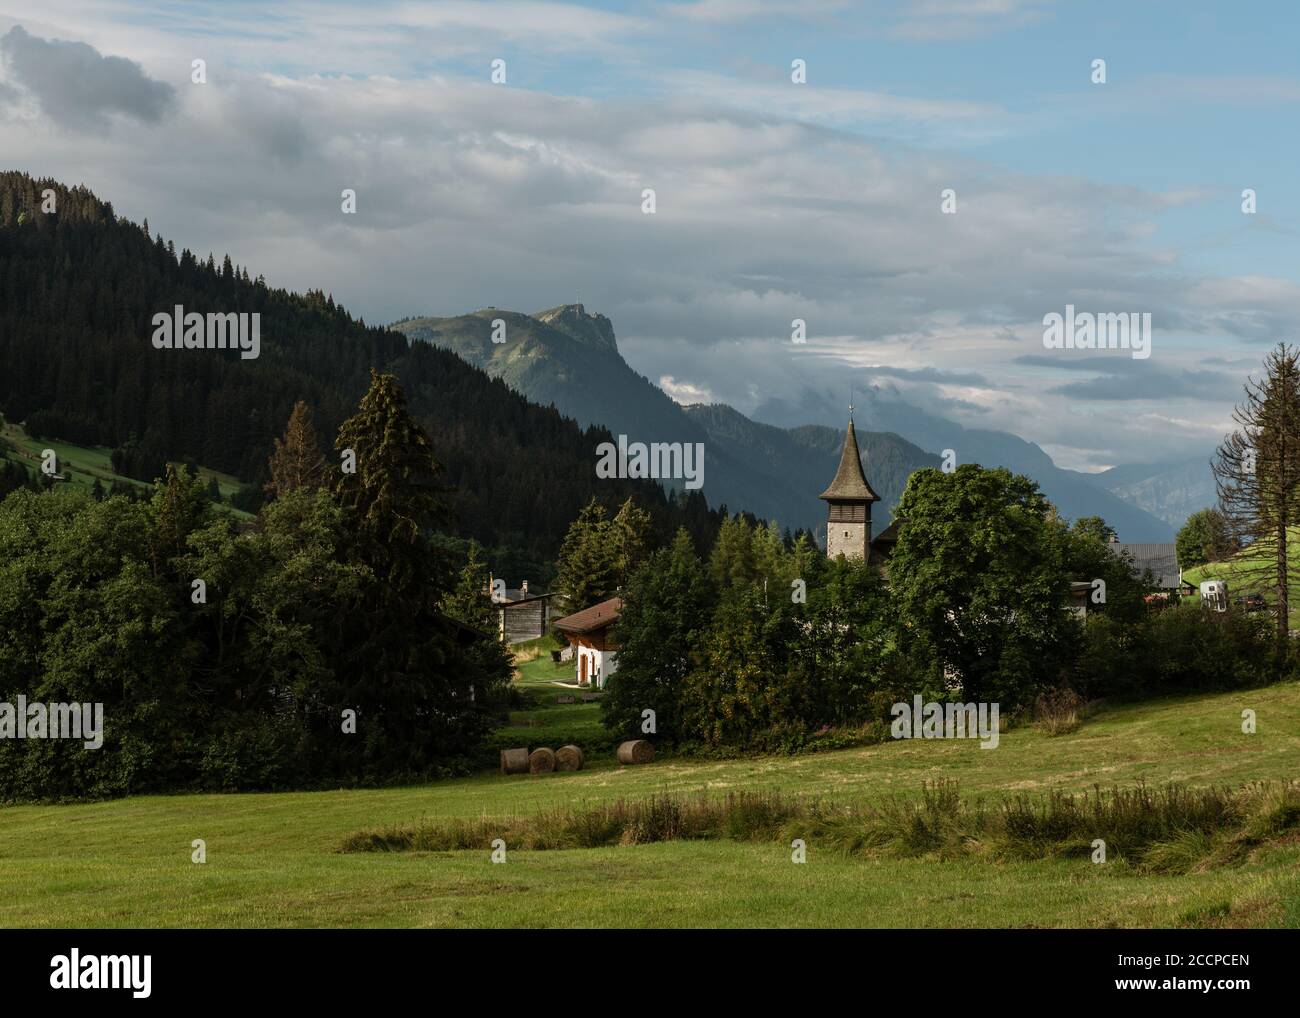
x=849 y=498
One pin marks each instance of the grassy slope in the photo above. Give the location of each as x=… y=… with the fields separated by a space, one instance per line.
x=83 y=464
x=273 y=859
x=1249 y=574
x=543 y=721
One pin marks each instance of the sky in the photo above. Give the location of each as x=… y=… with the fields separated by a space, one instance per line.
x=775 y=200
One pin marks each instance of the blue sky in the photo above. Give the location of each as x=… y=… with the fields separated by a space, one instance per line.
x=818 y=201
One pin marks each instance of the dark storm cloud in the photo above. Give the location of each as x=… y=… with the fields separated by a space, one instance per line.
x=76 y=85
x=1139 y=384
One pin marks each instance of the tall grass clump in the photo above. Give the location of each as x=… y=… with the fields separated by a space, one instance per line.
x=1170 y=829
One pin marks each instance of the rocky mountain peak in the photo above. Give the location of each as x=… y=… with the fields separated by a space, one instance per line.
x=574 y=321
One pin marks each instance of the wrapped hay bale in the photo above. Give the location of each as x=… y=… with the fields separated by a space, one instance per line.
x=635 y=751
x=568 y=758
x=514 y=761
x=541 y=761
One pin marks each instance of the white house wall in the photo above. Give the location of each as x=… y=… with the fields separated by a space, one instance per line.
x=602 y=663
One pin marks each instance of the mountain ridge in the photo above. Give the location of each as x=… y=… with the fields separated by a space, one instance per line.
x=569 y=358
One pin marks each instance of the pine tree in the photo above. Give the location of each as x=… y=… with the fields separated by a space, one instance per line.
x=470 y=601
x=393 y=493
x=297 y=461
x=630 y=531
x=1257 y=474
x=588 y=567
x=668 y=601
x=731 y=562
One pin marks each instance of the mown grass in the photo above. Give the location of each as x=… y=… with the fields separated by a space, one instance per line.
x=274 y=860
x=542 y=720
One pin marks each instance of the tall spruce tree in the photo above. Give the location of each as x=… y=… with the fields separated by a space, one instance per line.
x=1257 y=474
x=587 y=570
x=419 y=683
x=297 y=461
x=667 y=601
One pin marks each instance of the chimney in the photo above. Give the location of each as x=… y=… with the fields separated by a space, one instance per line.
x=1114 y=539
x=523 y=588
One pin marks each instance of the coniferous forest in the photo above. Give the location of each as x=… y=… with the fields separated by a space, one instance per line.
x=78 y=291
x=227 y=654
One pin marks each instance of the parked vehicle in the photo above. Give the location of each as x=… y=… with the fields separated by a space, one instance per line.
x=1214 y=595
x=1251 y=602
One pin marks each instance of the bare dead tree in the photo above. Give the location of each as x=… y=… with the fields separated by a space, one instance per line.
x=1257 y=476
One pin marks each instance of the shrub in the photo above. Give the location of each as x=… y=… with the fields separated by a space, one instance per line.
x=1058 y=711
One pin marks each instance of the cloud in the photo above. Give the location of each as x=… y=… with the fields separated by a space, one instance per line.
x=729 y=12
x=684 y=392
x=927 y=375
x=1141 y=383
x=471 y=195
x=944 y=20
x=76 y=86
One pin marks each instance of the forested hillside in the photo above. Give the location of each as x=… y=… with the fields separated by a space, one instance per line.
x=79 y=288
x=569 y=357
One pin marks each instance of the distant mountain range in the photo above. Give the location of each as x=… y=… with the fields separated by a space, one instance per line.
x=776 y=463
x=1171 y=491
x=569 y=359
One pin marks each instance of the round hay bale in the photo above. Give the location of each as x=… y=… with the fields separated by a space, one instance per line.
x=636 y=751
x=541 y=761
x=568 y=758
x=514 y=761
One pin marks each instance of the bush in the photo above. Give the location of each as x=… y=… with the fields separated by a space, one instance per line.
x=1181 y=649
x=1058 y=711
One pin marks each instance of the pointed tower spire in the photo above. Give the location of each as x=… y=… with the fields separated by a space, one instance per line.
x=850 y=482
x=848 y=503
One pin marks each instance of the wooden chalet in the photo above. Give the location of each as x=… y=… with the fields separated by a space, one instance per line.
x=590 y=634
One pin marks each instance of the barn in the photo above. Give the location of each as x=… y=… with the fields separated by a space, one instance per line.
x=521 y=615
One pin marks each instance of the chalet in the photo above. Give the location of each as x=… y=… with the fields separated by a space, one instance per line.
x=590 y=634
x=521 y=615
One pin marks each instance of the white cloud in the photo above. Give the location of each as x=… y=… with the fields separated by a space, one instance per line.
x=472 y=195
x=684 y=392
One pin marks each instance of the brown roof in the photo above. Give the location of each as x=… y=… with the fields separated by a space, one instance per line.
x=850 y=482
x=598 y=616
x=888 y=536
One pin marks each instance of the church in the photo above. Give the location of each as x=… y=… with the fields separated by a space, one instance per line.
x=848 y=500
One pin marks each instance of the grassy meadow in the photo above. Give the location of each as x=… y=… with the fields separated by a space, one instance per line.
x=83 y=465
x=275 y=859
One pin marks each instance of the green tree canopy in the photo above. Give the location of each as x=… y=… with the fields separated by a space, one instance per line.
x=980 y=580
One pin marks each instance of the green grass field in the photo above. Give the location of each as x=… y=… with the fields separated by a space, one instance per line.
x=83 y=465
x=1248 y=574
x=274 y=859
